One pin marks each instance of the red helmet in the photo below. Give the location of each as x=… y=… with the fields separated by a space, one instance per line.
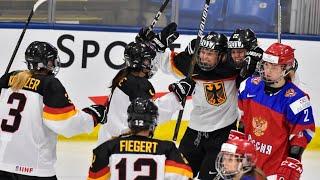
x=279 y=53
x=236 y=156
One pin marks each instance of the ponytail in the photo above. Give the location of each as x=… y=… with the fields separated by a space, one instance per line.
x=20 y=79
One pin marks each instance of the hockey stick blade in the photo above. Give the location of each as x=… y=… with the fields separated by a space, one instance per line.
x=193 y=61
x=36 y=5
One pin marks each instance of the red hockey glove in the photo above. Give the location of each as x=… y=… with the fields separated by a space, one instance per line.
x=236 y=135
x=290 y=169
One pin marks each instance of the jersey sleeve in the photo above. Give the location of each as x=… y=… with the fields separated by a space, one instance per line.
x=60 y=114
x=301 y=122
x=242 y=96
x=99 y=169
x=167 y=106
x=176 y=166
x=176 y=64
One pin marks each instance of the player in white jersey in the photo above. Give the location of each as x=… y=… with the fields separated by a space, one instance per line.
x=132 y=82
x=137 y=155
x=34 y=108
x=214 y=100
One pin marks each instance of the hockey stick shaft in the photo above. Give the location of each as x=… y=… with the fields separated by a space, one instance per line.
x=36 y=5
x=156 y=18
x=279 y=21
x=193 y=61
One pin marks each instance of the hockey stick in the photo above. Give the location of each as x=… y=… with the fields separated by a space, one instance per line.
x=193 y=61
x=156 y=18
x=36 y=5
x=279 y=21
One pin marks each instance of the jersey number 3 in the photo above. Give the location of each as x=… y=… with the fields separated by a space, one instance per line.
x=21 y=98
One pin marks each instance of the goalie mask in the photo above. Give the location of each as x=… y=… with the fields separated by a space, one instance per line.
x=277 y=61
x=42 y=55
x=241 y=42
x=139 y=57
x=237 y=157
x=212 y=48
x=142 y=115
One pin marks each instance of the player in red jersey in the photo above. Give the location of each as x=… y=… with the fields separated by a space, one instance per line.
x=276 y=115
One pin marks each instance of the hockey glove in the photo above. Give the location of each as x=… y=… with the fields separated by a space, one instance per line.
x=98 y=112
x=191 y=47
x=236 y=135
x=161 y=40
x=183 y=88
x=290 y=169
x=252 y=58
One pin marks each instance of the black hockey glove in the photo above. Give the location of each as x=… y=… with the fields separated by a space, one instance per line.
x=98 y=113
x=183 y=88
x=191 y=47
x=252 y=58
x=160 y=41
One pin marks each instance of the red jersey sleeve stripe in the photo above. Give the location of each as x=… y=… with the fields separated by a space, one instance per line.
x=178 y=168
x=102 y=174
x=52 y=110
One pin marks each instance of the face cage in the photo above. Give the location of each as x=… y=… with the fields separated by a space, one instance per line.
x=244 y=62
x=204 y=66
x=52 y=69
x=153 y=67
x=285 y=72
x=244 y=165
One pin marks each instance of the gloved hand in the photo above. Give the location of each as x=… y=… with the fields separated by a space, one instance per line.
x=191 y=47
x=252 y=58
x=183 y=88
x=236 y=135
x=98 y=113
x=290 y=169
x=161 y=40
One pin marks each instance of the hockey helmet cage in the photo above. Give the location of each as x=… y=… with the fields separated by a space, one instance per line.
x=238 y=151
x=212 y=41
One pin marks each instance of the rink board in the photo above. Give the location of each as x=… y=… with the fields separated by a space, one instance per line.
x=165 y=131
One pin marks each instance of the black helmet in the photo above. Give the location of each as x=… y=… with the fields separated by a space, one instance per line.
x=42 y=55
x=135 y=55
x=243 y=38
x=213 y=41
x=142 y=115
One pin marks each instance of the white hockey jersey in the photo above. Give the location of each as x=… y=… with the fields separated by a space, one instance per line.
x=215 y=96
x=30 y=120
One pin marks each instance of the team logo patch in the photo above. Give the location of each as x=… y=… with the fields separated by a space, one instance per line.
x=290 y=93
x=215 y=93
x=259 y=126
x=255 y=80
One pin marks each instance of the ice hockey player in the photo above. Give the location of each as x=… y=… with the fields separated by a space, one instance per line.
x=34 y=109
x=136 y=155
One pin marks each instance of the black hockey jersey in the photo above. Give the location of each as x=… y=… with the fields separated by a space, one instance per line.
x=129 y=88
x=136 y=157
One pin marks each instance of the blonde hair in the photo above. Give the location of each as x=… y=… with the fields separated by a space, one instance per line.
x=20 y=79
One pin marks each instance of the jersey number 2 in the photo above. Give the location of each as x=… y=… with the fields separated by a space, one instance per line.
x=121 y=166
x=14 y=112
